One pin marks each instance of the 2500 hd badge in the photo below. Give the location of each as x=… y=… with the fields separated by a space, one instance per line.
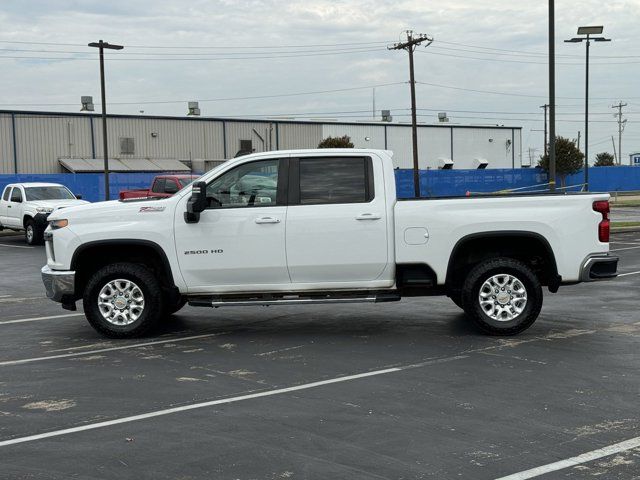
x=202 y=252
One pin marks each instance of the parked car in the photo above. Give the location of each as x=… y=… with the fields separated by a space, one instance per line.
x=26 y=207
x=321 y=226
x=162 y=186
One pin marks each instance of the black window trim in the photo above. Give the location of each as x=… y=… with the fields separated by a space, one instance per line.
x=281 y=189
x=294 y=180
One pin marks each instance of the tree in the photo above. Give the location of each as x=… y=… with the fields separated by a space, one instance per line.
x=336 y=142
x=604 y=159
x=569 y=159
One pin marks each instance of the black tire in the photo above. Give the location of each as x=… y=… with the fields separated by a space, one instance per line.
x=177 y=306
x=33 y=234
x=141 y=276
x=502 y=266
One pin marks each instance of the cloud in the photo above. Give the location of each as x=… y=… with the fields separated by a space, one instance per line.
x=472 y=26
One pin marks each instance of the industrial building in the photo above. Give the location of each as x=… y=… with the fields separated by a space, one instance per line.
x=56 y=142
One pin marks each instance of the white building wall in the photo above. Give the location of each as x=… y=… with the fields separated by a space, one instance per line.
x=297 y=135
x=43 y=139
x=494 y=145
x=358 y=134
x=6 y=144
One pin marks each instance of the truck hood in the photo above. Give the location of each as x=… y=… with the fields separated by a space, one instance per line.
x=113 y=208
x=56 y=204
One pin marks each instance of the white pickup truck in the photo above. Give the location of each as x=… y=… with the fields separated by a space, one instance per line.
x=316 y=226
x=26 y=206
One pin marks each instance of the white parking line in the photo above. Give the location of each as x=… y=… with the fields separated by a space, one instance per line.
x=194 y=406
x=14 y=246
x=628 y=273
x=573 y=461
x=110 y=349
x=37 y=319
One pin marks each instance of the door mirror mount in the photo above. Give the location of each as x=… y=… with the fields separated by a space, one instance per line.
x=197 y=203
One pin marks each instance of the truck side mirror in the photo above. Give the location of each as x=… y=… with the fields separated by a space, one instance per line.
x=78 y=196
x=197 y=203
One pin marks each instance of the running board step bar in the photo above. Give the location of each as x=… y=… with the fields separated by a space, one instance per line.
x=288 y=299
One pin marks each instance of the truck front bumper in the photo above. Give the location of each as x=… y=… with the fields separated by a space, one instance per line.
x=59 y=285
x=599 y=267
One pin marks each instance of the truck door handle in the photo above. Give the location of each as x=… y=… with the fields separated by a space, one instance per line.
x=369 y=216
x=267 y=220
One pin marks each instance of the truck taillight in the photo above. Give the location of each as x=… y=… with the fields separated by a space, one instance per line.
x=602 y=206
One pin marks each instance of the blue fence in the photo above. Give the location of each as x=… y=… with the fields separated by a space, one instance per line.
x=433 y=183
x=89 y=185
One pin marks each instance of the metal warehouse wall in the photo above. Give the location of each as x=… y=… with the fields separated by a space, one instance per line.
x=42 y=138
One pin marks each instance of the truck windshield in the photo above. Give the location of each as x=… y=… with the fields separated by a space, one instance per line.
x=48 y=193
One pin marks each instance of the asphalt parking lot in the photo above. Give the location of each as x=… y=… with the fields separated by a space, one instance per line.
x=390 y=391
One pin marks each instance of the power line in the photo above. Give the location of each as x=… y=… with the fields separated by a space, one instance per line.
x=505 y=93
x=220 y=99
x=524 y=61
x=139 y=59
x=200 y=46
x=492 y=51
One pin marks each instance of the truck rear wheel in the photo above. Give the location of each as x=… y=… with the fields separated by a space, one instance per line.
x=502 y=296
x=123 y=300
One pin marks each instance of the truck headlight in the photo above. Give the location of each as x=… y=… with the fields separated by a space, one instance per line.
x=44 y=209
x=55 y=224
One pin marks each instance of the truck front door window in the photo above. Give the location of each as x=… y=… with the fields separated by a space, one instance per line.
x=253 y=184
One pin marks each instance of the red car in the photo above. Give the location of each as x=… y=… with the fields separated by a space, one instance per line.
x=162 y=186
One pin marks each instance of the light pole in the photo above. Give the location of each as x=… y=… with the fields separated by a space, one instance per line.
x=101 y=46
x=588 y=31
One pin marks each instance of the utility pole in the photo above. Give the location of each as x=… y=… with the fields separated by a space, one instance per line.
x=615 y=155
x=579 y=140
x=621 y=124
x=373 y=109
x=101 y=46
x=410 y=45
x=545 y=107
x=552 y=96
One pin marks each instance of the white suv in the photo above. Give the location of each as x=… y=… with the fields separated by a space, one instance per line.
x=26 y=206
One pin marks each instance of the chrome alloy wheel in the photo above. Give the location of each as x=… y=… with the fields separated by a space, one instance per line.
x=503 y=297
x=121 y=302
x=30 y=233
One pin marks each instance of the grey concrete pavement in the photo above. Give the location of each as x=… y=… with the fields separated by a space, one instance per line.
x=458 y=404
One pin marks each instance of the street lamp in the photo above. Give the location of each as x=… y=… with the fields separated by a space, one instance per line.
x=101 y=46
x=588 y=31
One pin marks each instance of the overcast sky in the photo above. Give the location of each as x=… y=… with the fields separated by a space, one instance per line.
x=491 y=46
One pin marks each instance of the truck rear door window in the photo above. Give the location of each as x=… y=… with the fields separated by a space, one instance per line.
x=5 y=197
x=335 y=180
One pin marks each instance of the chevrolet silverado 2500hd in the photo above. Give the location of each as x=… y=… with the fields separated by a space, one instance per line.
x=315 y=226
x=26 y=206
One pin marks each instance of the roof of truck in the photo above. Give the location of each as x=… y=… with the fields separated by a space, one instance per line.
x=35 y=184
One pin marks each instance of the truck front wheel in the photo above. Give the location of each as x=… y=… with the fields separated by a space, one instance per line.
x=502 y=296
x=123 y=300
x=33 y=234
